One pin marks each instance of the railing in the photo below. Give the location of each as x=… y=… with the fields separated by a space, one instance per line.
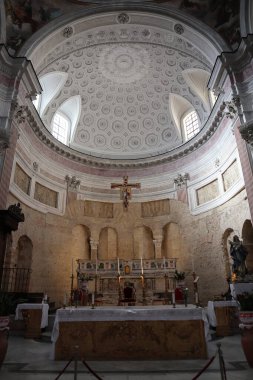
x=15 y=279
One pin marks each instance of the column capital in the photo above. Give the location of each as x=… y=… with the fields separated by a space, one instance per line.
x=93 y=243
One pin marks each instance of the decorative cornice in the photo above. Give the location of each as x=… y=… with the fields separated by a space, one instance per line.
x=204 y=135
x=246 y=131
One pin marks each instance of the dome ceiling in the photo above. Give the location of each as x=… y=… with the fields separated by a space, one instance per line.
x=125 y=76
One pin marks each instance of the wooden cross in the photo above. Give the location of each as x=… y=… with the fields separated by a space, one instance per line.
x=125 y=190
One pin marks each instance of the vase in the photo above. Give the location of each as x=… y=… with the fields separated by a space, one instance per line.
x=246 y=326
x=4 y=334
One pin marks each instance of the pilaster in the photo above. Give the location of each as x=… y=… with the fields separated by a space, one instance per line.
x=94 y=249
x=158 y=247
x=19 y=84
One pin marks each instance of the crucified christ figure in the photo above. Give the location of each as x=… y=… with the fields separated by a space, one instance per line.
x=125 y=190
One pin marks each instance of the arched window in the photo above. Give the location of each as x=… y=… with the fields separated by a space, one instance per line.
x=61 y=127
x=191 y=124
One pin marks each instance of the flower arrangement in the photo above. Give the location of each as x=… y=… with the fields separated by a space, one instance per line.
x=84 y=277
x=179 y=276
x=246 y=301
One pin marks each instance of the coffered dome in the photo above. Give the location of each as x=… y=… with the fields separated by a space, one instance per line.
x=135 y=74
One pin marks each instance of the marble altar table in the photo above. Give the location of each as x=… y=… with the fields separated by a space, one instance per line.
x=223 y=315
x=130 y=333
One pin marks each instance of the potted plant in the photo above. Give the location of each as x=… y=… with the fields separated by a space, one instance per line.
x=6 y=308
x=246 y=318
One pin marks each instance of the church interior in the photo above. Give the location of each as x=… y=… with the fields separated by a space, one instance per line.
x=126 y=174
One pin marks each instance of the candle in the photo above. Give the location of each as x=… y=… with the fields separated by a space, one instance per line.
x=164 y=263
x=118 y=267
x=141 y=266
x=196 y=298
x=45 y=298
x=92 y=298
x=96 y=266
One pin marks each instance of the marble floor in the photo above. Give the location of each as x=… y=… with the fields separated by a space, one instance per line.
x=29 y=359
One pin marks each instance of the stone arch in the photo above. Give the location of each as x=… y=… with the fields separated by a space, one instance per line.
x=108 y=244
x=24 y=262
x=24 y=252
x=80 y=247
x=247 y=238
x=143 y=243
x=227 y=235
x=171 y=244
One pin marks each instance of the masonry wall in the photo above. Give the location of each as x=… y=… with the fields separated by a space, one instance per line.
x=197 y=241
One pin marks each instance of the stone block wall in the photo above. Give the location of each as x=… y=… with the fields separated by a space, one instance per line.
x=196 y=241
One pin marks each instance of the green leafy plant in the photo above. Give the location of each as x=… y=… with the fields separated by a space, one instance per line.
x=179 y=276
x=246 y=301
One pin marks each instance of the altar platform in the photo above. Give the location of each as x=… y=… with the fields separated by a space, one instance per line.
x=131 y=333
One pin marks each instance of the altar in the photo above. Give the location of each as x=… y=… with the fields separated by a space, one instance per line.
x=130 y=333
x=223 y=315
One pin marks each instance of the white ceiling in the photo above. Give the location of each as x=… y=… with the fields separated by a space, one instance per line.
x=125 y=75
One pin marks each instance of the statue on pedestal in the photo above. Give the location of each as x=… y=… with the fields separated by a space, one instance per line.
x=238 y=253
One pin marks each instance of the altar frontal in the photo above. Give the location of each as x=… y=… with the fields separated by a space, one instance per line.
x=135 y=333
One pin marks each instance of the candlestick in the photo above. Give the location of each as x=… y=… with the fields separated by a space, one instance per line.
x=164 y=264
x=118 y=267
x=193 y=266
x=173 y=298
x=92 y=300
x=185 y=296
x=96 y=266
x=119 y=300
x=72 y=267
x=196 y=299
x=141 y=266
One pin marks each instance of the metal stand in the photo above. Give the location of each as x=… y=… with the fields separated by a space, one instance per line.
x=221 y=363
x=75 y=362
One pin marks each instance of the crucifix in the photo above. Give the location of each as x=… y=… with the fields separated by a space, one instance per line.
x=125 y=190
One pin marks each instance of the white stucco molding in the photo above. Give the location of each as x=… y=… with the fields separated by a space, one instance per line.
x=223 y=195
x=28 y=199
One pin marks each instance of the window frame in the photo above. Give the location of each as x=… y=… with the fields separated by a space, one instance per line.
x=184 y=127
x=64 y=116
